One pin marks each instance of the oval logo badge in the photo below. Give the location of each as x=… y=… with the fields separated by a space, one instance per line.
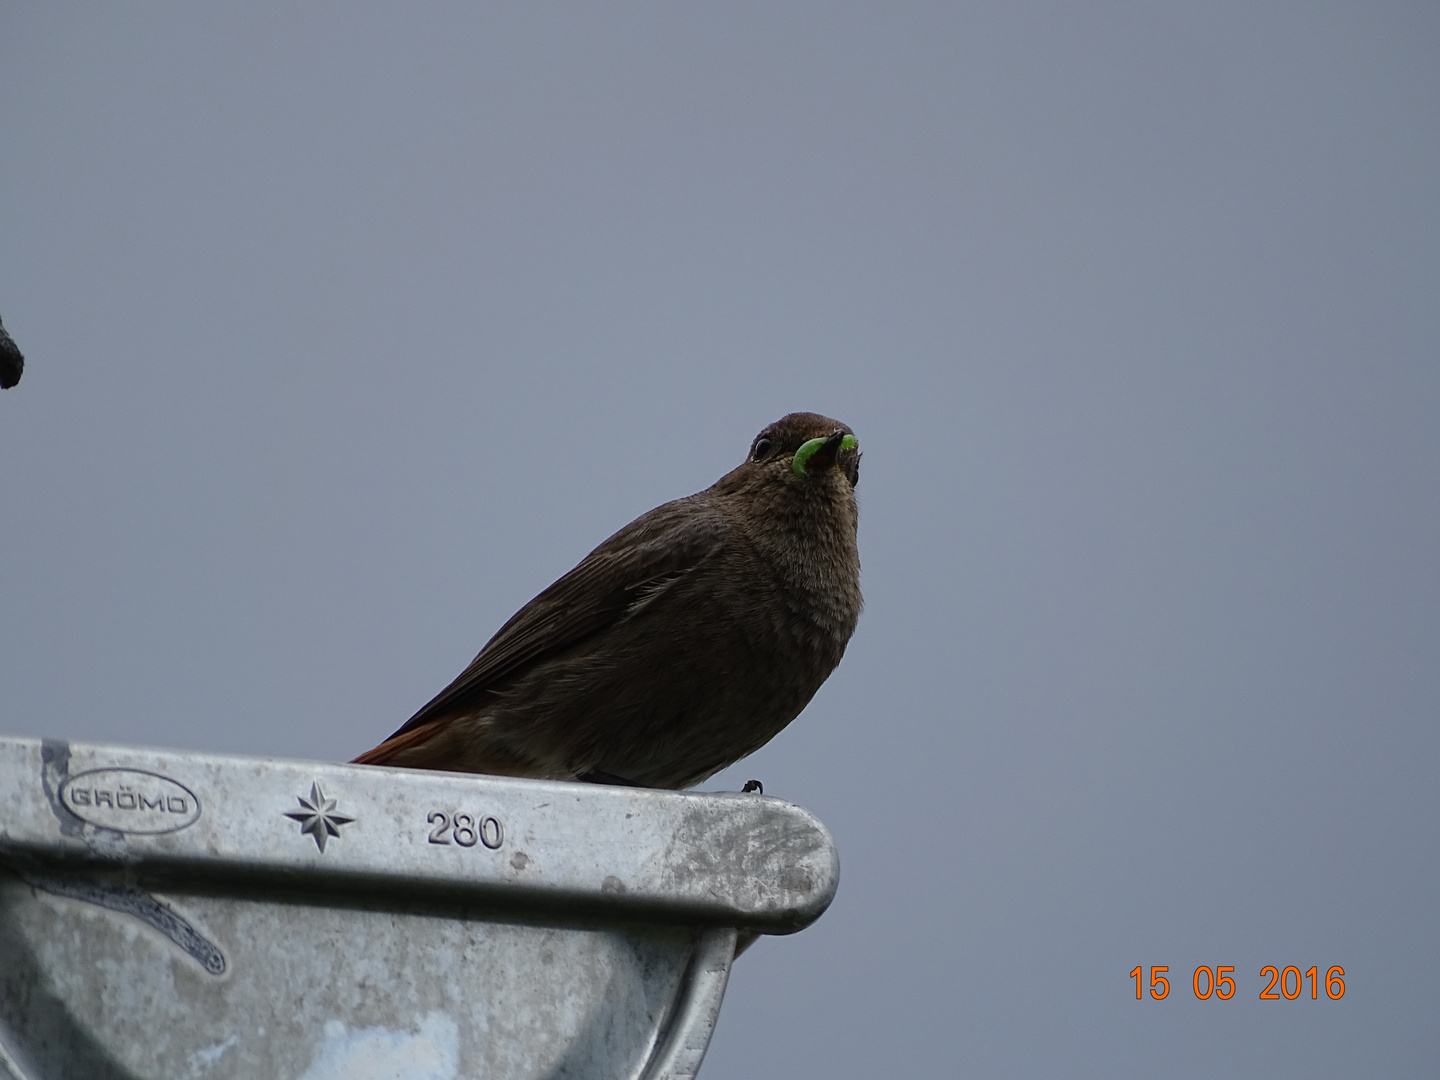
x=130 y=800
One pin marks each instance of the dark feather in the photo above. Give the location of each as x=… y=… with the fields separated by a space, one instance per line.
x=616 y=581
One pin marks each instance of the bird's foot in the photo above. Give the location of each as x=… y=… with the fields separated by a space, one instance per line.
x=755 y=786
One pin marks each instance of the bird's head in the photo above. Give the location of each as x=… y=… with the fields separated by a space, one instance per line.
x=805 y=448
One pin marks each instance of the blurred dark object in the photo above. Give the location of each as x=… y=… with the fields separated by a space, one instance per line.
x=12 y=363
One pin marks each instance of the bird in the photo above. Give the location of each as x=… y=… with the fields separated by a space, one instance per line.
x=683 y=643
x=12 y=363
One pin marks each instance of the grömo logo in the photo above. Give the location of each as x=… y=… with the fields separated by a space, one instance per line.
x=130 y=800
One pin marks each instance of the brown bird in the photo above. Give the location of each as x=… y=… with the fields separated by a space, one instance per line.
x=12 y=363
x=681 y=644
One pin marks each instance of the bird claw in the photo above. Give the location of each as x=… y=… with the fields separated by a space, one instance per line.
x=753 y=785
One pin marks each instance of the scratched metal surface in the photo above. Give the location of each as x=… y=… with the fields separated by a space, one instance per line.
x=169 y=915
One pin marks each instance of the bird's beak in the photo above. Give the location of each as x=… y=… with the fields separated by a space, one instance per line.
x=821 y=452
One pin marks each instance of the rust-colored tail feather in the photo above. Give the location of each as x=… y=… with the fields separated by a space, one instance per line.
x=396 y=745
x=445 y=745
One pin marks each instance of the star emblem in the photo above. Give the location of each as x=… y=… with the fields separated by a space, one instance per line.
x=318 y=816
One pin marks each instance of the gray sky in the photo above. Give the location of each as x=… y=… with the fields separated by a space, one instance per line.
x=349 y=329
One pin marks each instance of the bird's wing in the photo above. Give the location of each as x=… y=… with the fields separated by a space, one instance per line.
x=617 y=579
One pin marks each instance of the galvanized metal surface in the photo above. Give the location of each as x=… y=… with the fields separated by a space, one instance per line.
x=175 y=915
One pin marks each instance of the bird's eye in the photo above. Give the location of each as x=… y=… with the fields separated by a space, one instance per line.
x=762 y=447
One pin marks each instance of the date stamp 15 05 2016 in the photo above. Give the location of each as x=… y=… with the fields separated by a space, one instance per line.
x=1287 y=983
